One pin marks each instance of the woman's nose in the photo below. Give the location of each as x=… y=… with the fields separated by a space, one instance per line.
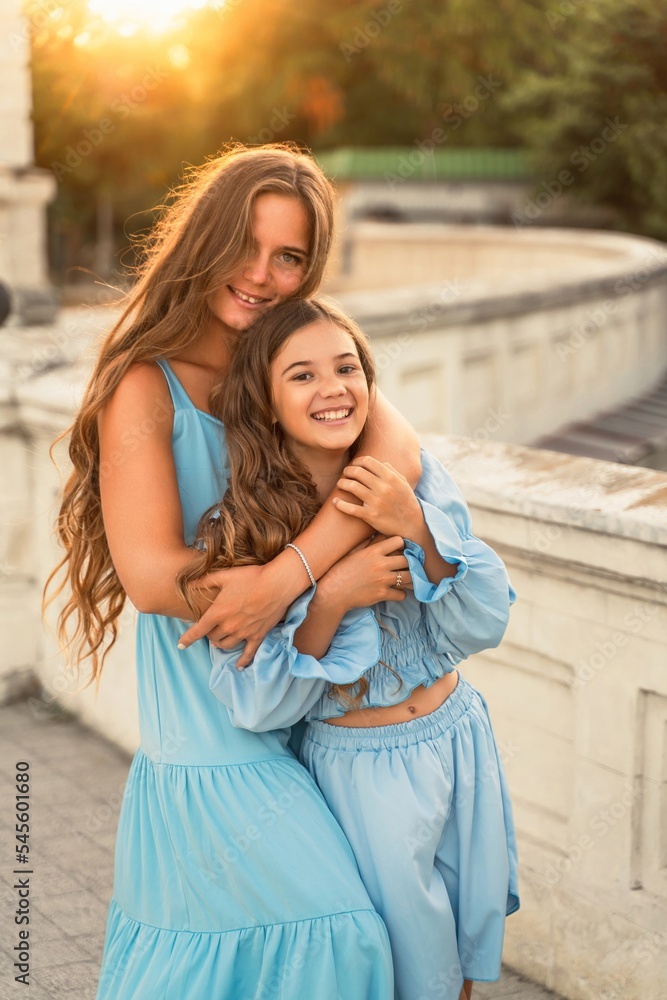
x=257 y=270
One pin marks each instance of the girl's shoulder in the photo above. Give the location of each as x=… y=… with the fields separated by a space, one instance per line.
x=435 y=475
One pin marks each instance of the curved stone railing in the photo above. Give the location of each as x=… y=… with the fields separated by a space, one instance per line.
x=577 y=689
x=516 y=333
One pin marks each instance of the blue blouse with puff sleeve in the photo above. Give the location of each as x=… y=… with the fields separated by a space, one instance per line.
x=420 y=638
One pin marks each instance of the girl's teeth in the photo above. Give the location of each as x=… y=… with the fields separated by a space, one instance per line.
x=332 y=415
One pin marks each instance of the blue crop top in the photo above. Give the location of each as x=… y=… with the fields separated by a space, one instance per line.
x=420 y=638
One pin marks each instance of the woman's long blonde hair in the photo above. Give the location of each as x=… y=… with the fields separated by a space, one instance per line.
x=270 y=496
x=196 y=247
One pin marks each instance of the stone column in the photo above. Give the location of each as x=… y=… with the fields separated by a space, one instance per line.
x=24 y=190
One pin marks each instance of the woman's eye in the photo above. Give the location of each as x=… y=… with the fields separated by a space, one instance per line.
x=290 y=258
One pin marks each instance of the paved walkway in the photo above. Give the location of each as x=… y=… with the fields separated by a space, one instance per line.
x=77 y=781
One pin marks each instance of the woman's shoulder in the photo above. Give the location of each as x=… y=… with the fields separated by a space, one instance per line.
x=142 y=393
x=143 y=386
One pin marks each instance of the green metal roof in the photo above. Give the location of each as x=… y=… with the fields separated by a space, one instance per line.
x=411 y=162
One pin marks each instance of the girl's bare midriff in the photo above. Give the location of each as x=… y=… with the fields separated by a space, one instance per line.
x=422 y=701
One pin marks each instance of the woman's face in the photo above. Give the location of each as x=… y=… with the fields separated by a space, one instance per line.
x=277 y=268
x=320 y=393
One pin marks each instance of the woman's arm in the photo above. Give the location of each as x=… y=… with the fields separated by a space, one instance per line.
x=141 y=505
x=389 y=437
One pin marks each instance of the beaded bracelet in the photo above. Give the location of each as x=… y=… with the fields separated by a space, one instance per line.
x=290 y=545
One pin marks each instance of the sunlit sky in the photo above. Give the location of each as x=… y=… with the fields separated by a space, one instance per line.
x=130 y=16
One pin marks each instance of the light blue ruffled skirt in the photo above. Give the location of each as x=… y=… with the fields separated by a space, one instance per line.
x=234 y=882
x=425 y=806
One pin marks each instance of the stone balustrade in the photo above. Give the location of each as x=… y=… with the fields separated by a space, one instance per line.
x=578 y=687
x=516 y=333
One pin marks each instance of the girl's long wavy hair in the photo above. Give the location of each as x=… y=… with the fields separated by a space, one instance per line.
x=197 y=246
x=270 y=497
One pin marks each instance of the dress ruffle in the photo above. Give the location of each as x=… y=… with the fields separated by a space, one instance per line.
x=211 y=901
x=320 y=958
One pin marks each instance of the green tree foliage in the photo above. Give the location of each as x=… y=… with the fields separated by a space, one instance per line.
x=601 y=115
x=117 y=118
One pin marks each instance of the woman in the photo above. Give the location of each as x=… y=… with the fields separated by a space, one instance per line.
x=232 y=878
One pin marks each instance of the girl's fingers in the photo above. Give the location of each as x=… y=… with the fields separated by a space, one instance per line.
x=355 y=488
x=399 y=564
x=393 y=544
x=360 y=474
x=349 y=508
x=371 y=464
x=393 y=594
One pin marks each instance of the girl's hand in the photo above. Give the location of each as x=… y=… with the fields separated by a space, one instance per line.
x=247 y=607
x=388 y=502
x=368 y=574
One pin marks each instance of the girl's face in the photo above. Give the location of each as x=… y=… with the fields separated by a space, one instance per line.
x=320 y=393
x=276 y=271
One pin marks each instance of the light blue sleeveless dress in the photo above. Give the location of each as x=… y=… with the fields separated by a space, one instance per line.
x=233 y=881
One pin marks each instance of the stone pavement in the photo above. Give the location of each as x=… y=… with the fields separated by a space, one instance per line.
x=76 y=783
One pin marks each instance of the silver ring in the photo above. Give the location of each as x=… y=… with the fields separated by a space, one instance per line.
x=399 y=579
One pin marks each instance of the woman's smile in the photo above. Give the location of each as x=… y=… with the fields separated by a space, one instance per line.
x=247 y=298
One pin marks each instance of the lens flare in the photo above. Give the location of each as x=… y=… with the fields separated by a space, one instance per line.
x=155 y=16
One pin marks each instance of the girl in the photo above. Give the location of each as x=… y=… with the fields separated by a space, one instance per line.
x=400 y=745
x=232 y=877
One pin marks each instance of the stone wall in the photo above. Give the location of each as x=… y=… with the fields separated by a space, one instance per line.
x=578 y=695
x=516 y=334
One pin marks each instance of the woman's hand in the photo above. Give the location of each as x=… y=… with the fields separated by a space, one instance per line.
x=249 y=604
x=388 y=502
x=368 y=574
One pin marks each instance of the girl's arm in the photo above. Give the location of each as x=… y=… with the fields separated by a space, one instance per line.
x=281 y=684
x=467 y=612
x=461 y=583
x=358 y=581
x=255 y=597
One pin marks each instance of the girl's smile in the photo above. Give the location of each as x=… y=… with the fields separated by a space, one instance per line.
x=320 y=394
x=338 y=417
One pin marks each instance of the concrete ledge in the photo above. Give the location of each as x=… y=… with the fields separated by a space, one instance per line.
x=603 y=497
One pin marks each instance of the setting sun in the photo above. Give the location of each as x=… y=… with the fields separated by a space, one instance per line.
x=155 y=16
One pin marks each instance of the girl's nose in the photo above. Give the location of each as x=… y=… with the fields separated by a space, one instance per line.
x=333 y=387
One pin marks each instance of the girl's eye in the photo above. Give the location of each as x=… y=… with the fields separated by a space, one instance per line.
x=348 y=369
x=302 y=377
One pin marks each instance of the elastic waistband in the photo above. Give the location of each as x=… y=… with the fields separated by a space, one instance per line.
x=400 y=734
